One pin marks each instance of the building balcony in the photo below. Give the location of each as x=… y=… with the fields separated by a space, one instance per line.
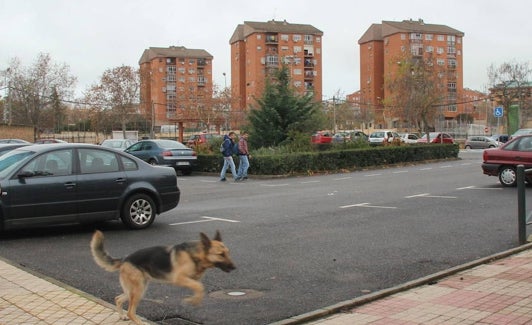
x=272 y=39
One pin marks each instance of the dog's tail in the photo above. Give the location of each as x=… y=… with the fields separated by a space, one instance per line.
x=101 y=257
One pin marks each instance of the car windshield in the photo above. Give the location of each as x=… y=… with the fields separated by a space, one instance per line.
x=11 y=160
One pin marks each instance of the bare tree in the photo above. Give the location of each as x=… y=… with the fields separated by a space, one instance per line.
x=416 y=91
x=37 y=88
x=509 y=86
x=118 y=93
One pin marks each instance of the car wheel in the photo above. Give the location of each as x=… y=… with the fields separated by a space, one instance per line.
x=139 y=211
x=152 y=162
x=508 y=176
x=468 y=147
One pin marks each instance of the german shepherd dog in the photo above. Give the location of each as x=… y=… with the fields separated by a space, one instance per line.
x=181 y=265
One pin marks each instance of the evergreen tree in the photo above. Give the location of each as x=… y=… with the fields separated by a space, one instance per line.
x=282 y=112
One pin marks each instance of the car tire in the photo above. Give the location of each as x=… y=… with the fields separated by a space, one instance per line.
x=508 y=176
x=139 y=211
x=152 y=162
x=468 y=147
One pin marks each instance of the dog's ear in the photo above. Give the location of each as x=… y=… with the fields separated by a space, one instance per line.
x=205 y=241
x=218 y=237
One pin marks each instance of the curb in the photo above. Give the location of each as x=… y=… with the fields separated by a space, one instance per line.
x=348 y=304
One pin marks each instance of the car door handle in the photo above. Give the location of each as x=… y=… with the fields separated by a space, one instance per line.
x=120 y=180
x=70 y=185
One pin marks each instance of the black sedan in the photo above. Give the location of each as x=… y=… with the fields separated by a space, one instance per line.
x=165 y=152
x=81 y=183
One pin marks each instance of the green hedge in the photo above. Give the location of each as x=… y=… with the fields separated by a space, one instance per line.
x=333 y=160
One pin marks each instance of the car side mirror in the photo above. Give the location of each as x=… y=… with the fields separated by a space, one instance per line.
x=25 y=174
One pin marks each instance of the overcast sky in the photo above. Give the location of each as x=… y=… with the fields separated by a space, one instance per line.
x=92 y=36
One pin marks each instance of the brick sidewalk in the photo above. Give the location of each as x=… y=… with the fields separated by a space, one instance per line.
x=496 y=293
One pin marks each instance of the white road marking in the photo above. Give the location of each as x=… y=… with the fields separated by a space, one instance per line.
x=275 y=185
x=308 y=182
x=431 y=196
x=479 y=188
x=370 y=175
x=400 y=171
x=341 y=179
x=366 y=205
x=205 y=219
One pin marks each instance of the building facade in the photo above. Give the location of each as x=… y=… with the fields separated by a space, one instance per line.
x=259 y=48
x=381 y=46
x=176 y=85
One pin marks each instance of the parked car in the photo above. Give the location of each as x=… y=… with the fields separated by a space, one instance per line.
x=436 y=137
x=201 y=139
x=165 y=152
x=481 y=142
x=7 y=147
x=81 y=183
x=119 y=144
x=502 y=138
x=322 y=137
x=13 y=141
x=521 y=132
x=409 y=137
x=502 y=161
x=381 y=136
x=43 y=141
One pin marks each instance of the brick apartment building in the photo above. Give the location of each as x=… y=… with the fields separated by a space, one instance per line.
x=383 y=43
x=259 y=48
x=176 y=83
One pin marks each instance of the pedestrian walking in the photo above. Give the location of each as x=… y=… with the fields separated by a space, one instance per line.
x=227 y=152
x=244 y=156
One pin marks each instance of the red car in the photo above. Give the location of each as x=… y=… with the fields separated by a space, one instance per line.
x=201 y=139
x=502 y=161
x=322 y=137
x=436 y=137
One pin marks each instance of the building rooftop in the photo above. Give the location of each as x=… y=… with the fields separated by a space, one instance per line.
x=173 y=52
x=377 y=32
x=272 y=26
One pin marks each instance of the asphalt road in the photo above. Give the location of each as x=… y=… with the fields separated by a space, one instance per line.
x=299 y=243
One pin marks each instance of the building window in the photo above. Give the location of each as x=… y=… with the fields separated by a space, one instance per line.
x=191 y=61
x=451 y=50
x=170 y=69
x=284 y=37
x=440 y=62
x=403 y=37
x=296 y=38
x=308 y=39
x=297 y=61
x=181 y=70
x=451 y=108
x=428 y=37
x=440 y=38
x=297 y=72
x=259 y=48
x=439 y=50
x=415 y=36
x=297 y=49
x=318 y=39
x=259 y=36
x=284 y=48
x=297 y=84
x=429 y=49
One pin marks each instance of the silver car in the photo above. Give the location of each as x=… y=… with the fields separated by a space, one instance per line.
x=481 y=142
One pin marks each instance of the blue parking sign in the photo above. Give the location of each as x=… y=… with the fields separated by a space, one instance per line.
x=498 y=111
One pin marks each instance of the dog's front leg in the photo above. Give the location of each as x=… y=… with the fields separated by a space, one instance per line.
x=195 y=286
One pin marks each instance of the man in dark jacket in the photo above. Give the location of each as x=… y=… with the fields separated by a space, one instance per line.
x=227 y=152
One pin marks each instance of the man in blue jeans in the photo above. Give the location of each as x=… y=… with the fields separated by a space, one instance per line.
x=227 y=152
x=243 y=155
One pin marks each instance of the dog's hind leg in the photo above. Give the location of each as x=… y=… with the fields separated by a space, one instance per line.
x=119 y=301
x=134 y=284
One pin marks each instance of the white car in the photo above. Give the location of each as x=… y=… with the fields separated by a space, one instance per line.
x=378 y=137
x=118 y=144
x=409 y=137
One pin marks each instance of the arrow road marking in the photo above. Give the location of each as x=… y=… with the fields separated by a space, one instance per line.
x=205 y=219
x=366 y=205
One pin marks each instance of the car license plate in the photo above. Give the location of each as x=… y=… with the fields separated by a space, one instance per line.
x=183 y=163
